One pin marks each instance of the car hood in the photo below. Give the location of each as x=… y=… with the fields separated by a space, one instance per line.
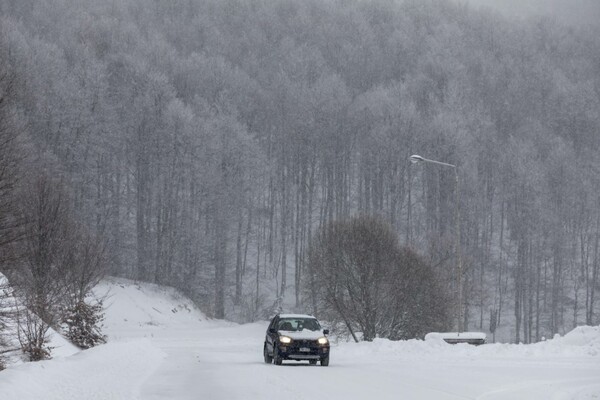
x=303 y=334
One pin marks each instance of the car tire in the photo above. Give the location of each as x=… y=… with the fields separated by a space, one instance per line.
x=312 y=362
x=268 y=358
x=325 y=361
x=276 y=357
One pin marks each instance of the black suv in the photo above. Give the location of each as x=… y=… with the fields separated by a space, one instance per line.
x=296 y=337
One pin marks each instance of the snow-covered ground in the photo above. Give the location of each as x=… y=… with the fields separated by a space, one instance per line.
x=161 y=347
x=60 y=346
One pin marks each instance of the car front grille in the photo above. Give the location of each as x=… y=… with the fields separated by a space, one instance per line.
x=313 y=345
x=306 y=343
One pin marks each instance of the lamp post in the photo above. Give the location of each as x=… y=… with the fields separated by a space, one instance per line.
x=418 y=159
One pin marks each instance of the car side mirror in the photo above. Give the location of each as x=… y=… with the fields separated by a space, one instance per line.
x=272 y=330
x=325 y=331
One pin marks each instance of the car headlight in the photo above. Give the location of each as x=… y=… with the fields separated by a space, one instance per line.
x=285 y=339
x=322 y=340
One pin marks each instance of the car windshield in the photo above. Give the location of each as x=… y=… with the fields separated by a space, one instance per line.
x=298 y=324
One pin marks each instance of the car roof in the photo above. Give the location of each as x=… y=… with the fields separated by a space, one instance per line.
x=296 y=316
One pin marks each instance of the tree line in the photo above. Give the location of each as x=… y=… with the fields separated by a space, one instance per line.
x=52 y=261
x=208 y=142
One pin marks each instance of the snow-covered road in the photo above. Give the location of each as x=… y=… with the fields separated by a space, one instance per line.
x=161 y=348
x=226 y=363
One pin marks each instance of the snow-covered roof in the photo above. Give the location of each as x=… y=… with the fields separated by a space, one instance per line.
x=475 y=338
x=456 y=335
x=295 y=316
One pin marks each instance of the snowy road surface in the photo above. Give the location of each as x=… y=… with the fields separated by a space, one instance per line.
x=225 y=363
x=163 y=349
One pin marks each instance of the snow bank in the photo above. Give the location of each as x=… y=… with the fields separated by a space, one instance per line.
x=112 y=371
x=583 y=341
x=59 y=346
x=117 y=370
x=587 y=336
x=142 y=309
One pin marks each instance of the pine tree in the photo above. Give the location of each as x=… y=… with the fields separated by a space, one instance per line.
x=82 y=324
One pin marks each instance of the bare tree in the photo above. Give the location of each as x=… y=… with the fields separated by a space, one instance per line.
x=82 y=315
x=59 y=265
x=11 y=223
x=44 y=256
x=11 y=157
x=362 y=275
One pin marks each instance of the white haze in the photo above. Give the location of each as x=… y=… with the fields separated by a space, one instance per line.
x=572 y=12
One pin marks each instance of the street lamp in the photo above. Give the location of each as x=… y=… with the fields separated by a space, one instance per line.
x=418 y=159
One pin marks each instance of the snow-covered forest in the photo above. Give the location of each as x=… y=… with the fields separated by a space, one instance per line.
x=203 y=144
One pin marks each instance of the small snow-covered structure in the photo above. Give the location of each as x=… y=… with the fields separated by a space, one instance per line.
x=475 y=338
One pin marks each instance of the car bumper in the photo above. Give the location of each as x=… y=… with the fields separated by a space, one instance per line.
x=295 y=353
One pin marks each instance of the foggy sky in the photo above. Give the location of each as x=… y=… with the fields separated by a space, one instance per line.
x=573 y=12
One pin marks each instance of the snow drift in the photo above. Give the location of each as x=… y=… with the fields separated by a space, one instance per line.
x=112 y=371
x=142 y=309
x=582 y=341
